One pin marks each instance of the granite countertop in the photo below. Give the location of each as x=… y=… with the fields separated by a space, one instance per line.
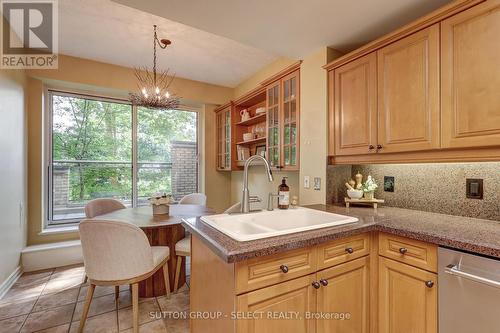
x=463 y=233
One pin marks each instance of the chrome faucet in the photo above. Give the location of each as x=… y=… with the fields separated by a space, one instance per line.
x=246 y=198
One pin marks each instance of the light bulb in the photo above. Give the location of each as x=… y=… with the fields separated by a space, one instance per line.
x=157 y=90
x=144 y=91
x=167 y=94
x=145 y=95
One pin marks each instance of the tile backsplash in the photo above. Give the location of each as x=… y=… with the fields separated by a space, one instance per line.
x=436 y=188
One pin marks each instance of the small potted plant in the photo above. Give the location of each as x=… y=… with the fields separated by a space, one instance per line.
x=369 y=188
x=160 y=204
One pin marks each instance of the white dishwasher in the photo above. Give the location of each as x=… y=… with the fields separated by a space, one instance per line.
x=469 y=293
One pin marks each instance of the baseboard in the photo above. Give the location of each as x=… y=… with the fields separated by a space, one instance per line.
x=38 y=257
x=9 y=282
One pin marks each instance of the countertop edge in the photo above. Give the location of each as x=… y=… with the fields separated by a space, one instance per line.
x=425 y=236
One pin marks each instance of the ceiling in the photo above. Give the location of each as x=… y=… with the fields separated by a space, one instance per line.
x=292 y=28
x=109 y=32
x=225 y=41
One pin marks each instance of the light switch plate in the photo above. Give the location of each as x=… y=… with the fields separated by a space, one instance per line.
x=307 y=182
x=317 y=183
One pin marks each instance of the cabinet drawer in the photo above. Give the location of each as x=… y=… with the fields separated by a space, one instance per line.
x=342 y=250
x=265 y=271
x=409 y=251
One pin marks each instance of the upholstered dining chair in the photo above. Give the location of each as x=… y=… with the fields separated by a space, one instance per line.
x=194 y=199
x=183 y=247
x=118 y=253
x=98 y=207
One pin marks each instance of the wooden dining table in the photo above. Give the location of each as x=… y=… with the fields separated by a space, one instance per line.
x=161 y=230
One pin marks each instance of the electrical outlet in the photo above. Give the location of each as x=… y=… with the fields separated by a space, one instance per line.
x=307 y=182
x=317 y=183
x=388 y=184
x=474 y=188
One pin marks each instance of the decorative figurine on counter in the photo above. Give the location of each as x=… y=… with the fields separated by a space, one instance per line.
x=363 y=193
x=295 y=201
x=359 y=181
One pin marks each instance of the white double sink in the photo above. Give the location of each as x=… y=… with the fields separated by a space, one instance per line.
x=264 y=224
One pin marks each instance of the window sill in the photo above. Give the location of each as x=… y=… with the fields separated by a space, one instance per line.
x=59 y=230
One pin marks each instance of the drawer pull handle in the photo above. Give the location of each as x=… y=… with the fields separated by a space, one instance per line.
x=323 y=282
x=403 y=250
x=379 y=147
x=370 y=147
x=316 y=285
x=349 y=250
x=284 y=268
x=429 y=284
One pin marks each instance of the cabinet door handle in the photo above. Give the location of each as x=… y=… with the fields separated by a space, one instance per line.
x=284 y=268
x=316 y=285
x=379 y=146
x=323 y=282
x=349 y=250
x=429 y=284
x=371 y=147
x=403 y=250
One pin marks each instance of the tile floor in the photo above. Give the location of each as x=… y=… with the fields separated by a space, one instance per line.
x=51 y=301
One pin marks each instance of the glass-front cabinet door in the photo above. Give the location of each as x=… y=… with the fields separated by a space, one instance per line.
x=283 y=122
x=223 y=120
x=290 y=121
x=273 y=125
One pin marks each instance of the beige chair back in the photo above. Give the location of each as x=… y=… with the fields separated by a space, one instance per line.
x=114 y=250
x=98 y=207
x=194 y=199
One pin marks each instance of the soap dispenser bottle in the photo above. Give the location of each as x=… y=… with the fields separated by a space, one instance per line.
x=284 y=195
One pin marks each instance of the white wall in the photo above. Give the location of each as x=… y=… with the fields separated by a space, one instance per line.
x=314 y=124
x=12 y=170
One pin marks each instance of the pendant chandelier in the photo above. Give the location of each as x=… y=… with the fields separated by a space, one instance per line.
x=154 y=85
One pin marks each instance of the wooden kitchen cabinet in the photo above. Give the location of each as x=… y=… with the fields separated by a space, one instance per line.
x=377 y=292
x=346 y=291
x=427 y=92
x=283 y=114
x=408 y=93
x=355 y=106
x=470 y=83
x=407 y=298
x=223 y=137
x=295 y=297
x=273 y=106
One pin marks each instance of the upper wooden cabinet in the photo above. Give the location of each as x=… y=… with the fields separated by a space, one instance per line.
x=408 y=93
x=266 y=121
x=282 y=122
x=471 y=77
x=426 y=92
x=223 y=137
x=355 y=99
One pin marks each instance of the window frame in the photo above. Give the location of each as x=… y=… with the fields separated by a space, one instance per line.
x=47 y=174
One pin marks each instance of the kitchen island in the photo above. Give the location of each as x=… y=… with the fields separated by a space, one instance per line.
x=359 y=269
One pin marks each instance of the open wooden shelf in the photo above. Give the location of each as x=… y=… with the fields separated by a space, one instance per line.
x=251 y=142
x=254 y=120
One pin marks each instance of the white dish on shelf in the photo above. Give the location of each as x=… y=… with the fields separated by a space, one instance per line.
x=248 y=136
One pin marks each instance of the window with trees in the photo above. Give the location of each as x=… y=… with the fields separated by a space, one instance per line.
x=105 y=148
